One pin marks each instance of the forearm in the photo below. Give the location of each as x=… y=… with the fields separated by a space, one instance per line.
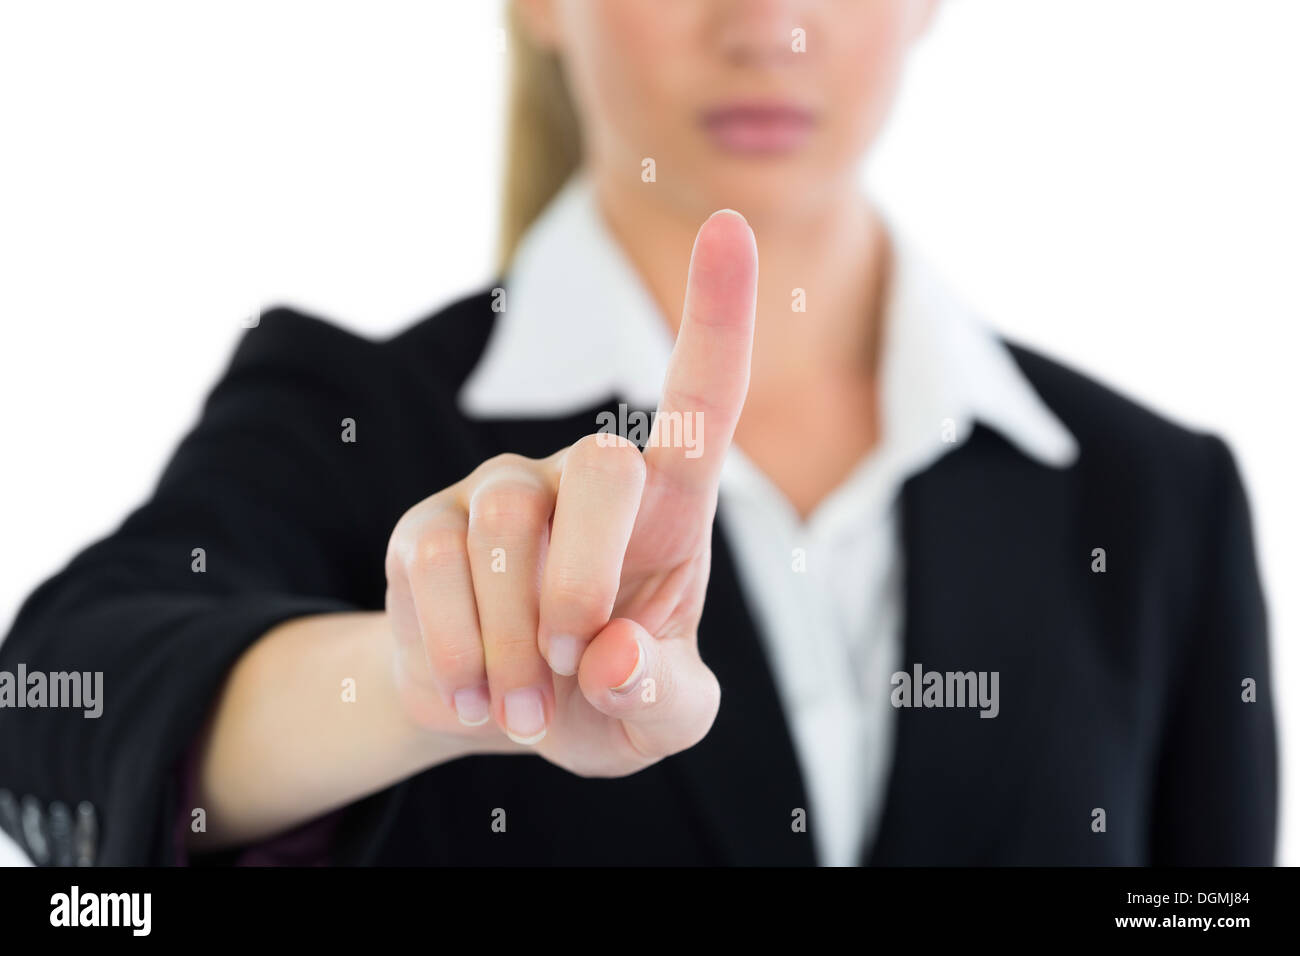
x=309 y=720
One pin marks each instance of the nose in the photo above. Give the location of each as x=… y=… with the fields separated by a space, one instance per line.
x=760 y=33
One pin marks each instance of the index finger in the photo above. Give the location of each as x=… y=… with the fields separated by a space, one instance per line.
x=708 y=373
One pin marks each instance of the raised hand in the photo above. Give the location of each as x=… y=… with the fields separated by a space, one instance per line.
x=556 y=601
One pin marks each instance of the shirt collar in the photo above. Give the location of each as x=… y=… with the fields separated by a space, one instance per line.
x=572 y=296
x=578 y=326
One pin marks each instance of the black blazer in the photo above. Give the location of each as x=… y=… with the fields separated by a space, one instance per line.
x=1119 y=690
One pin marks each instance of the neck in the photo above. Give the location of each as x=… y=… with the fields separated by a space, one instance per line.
x=834 y=252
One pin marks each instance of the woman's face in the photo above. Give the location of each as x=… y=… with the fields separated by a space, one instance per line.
x=762 y=105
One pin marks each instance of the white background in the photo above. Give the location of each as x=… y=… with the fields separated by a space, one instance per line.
x=1114 y=181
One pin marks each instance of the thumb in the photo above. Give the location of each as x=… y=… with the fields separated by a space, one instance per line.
x=663 y=692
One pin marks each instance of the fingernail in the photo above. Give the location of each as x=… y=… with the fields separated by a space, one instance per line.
x=473 y=705
x=525 y=715
x=565 y=652
x=633 y=678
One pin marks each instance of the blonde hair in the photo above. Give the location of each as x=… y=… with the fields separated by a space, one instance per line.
x=542 y=142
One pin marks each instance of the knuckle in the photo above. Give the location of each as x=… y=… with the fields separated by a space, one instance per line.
x=438 y=547
x=570 y=589
x=455 y=659
x=401 y=545
x=714 y=404
x=394 y=563
x=511 y=652
x=509 y=505
x=433 y=523
x=609 y=455
x=506 y=463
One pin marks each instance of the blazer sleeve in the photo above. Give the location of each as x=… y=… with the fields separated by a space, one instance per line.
x=1216 y=790
x=265 y=513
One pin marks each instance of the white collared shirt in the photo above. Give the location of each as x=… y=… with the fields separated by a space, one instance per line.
x=827 y=592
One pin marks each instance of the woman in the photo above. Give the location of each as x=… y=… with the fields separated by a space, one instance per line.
x=425 y=601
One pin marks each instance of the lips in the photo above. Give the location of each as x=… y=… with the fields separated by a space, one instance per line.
x=758 y=128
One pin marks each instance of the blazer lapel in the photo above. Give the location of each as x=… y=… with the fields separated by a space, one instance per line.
x=989 y=548
x=744 y=776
